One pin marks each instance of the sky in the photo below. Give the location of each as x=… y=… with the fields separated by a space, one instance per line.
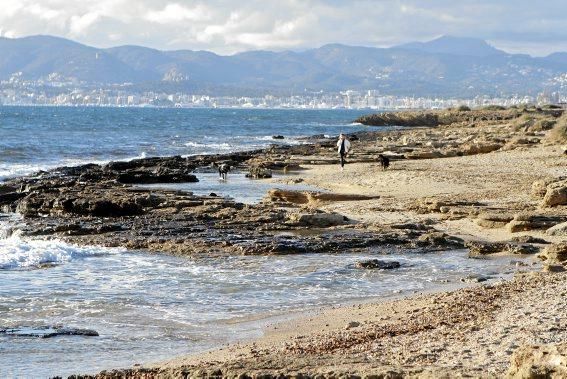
x=227 y=27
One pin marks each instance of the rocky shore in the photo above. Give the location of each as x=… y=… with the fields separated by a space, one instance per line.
x=493 y=181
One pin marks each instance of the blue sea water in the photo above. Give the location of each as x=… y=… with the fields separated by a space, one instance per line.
x=149 y=307
x=33 y=138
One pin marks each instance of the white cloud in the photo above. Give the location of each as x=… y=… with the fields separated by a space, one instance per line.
x=226 y=26
x=80 y=24
x=176 y=13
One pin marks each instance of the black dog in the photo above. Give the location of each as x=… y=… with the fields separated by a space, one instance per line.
x=223 y=170
x=384 y=161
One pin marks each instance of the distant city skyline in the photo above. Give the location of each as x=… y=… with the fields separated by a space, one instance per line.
x=226 y=27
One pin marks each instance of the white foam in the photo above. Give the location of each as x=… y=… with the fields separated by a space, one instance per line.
x=18 y=253
x=220 y=146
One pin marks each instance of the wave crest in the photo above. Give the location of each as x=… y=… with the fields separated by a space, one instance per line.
x=18 y=253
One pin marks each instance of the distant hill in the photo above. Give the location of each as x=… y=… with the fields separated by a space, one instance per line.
x=447 y=66
x=455 y=46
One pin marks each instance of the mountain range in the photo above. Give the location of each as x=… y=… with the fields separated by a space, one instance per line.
x=446 y=66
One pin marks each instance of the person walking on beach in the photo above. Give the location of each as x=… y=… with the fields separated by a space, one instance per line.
x=343 y=145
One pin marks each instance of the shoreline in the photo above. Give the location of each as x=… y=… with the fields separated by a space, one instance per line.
x=485 y=187
x=334 y=335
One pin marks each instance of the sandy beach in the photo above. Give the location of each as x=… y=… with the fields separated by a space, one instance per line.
x=490 y=181
x=514 y=328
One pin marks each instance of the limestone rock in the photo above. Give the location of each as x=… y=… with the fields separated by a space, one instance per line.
x=317 y=219
x=529 y=239
x=539 y=188
x=352 y=324
x=439 y=239
x=259 y=172
x=556 y=253
x=425 y=155
x=558 y=230
x=304 y=197
x=527 y=221
x=534 y=362
x=555 y=195
x=493 y=220
x=481 y=148
x=478 y=248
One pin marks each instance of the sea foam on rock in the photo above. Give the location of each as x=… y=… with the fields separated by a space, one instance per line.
x=18 y=253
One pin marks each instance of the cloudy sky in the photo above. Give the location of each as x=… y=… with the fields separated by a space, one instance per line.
x=226 y=26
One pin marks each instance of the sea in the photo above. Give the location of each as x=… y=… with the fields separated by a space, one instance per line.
x=149 y=307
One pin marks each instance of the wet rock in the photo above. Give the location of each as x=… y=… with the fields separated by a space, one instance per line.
x=512 y=248
x=377 y=264
x=48 y=332
x=317 y=219
x=411 y=226
x=278 y=137
x=554 y=268
x=439 y=239
x=258 y=172
x=478 y=248
x=539 y=361
x=159 y=176
x=474 y=279
x=10 y=197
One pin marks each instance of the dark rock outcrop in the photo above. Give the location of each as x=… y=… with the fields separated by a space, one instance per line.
x=48 y=332
x=377 y=264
